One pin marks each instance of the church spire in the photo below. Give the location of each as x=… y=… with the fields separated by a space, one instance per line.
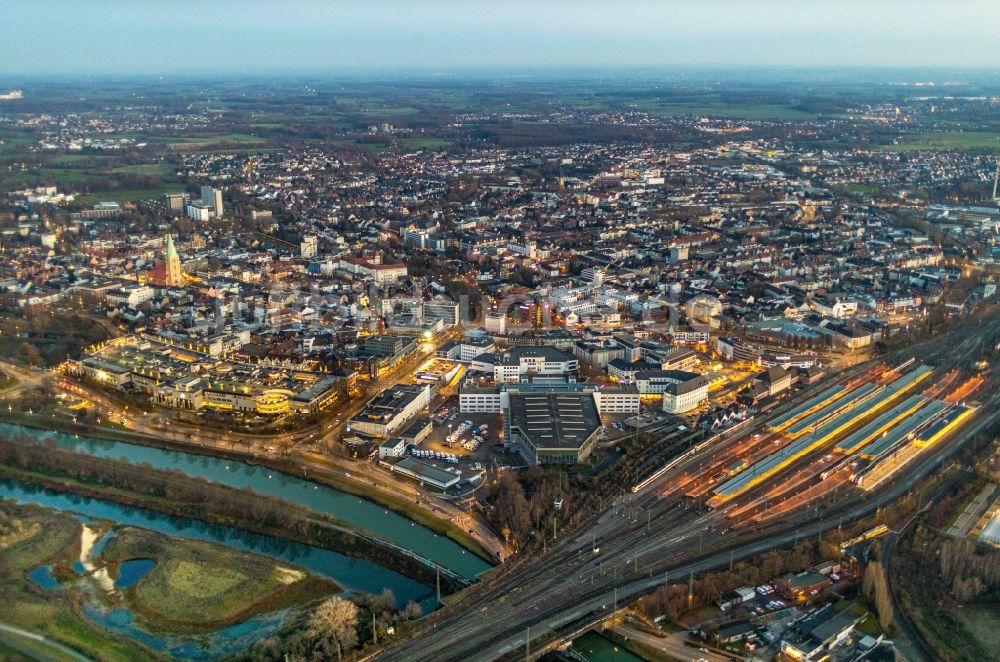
x=171 y=251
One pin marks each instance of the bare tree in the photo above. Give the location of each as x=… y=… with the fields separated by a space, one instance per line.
x=876 y=588
x=334 y=624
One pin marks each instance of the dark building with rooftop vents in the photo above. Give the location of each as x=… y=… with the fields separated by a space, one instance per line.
x=553 y=428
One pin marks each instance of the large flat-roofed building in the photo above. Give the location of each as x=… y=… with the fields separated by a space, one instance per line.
x=473 y=399
x=389 y=411
x=427 y=474
x=200 y=212
x=553 y=428
x=177 y=201
x=622 y=400
x=476 y=399
x=516 y=363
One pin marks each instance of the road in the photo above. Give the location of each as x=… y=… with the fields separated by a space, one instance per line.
x=646 y=541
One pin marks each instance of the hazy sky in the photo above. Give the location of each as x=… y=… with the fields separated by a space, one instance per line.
x=247 y=36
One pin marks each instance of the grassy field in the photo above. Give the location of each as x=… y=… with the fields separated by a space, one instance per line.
x=75 y=172
x=205 y=142
x=203 y=586
x=57 y=176
x=132 y=195
x=14 y=141
x=955 y=140
x=72 y=159
x=428 y=142
x=34 y=536
x=194 y=587
x=860 y=188
x=151 y=169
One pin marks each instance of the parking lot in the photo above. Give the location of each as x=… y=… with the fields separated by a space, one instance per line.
x=471 y=453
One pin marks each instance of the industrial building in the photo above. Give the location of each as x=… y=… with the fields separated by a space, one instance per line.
x=552 y=428
x=390 y=410
x=424 y=473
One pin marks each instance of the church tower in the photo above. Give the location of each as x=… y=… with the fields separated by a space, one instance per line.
x=174 y=277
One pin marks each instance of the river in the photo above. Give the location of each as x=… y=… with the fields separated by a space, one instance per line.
x=353 y=575
x=383 y=523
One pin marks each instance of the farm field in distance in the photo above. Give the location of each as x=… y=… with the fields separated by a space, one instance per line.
x=951 y=140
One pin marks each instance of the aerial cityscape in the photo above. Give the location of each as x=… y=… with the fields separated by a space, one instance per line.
x=443 y=331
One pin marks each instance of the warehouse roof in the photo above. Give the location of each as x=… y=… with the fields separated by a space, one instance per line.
x=554 y=420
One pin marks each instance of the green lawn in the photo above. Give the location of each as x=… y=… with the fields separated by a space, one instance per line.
x=131 y=195
x=15 y=647
x=194 y=582
x=954 y=140
x=13 y=141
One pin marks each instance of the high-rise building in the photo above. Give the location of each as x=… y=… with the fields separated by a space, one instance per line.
x=177 y=201
x=173 y=275
x=213 y=198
